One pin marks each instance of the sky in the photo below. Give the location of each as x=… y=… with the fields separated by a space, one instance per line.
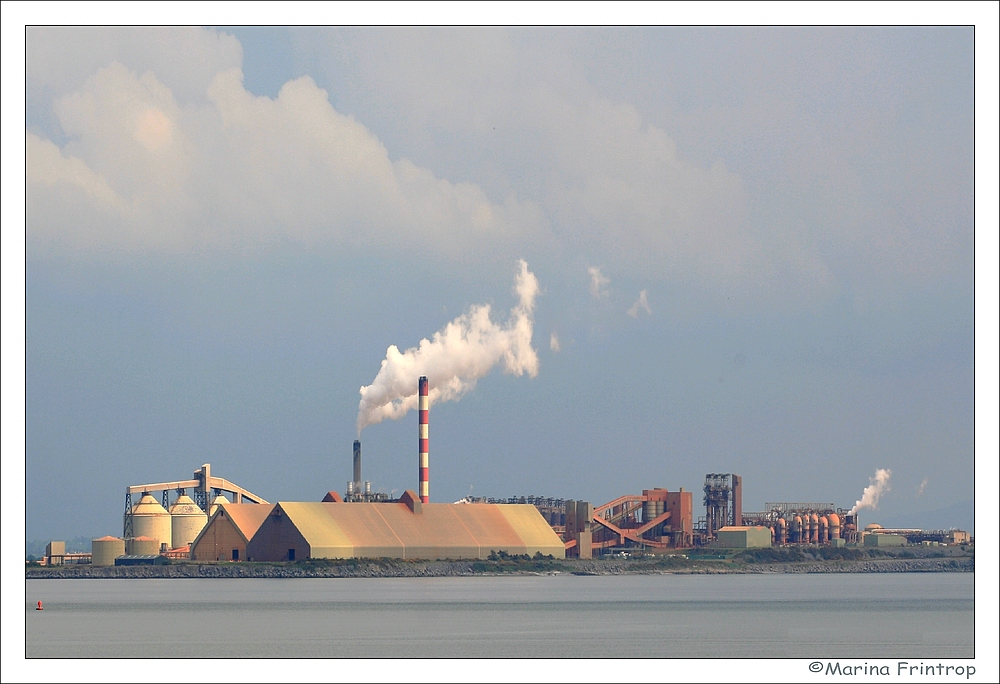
x=626 y=257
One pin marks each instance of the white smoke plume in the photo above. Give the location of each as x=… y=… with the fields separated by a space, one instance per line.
x=554 y=342
x=874 y=491
x=455 y=358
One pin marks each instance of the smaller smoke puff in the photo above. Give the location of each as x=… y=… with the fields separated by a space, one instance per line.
x=455 y=358
x=554 y=342
x=873 y=492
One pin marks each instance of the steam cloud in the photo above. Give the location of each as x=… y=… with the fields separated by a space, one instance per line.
x=874 y=491
x=455 y=358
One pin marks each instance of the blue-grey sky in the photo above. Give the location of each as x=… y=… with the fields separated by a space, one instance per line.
x=754 y=252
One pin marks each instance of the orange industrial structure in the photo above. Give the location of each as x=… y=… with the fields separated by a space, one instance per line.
x=408 y=528
x=227 y=534
x=656 y=519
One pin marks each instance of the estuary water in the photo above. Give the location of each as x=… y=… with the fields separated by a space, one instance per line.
x=735 y=616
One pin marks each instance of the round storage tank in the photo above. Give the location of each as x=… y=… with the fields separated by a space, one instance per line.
x=103 y=551
x=150 y=519
x=834 y=526
x=186 y=521
x=142 y=546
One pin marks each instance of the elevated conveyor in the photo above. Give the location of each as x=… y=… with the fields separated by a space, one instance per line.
x=202 y=483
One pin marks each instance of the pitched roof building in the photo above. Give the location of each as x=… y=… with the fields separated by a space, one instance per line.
x=404 y=529
x=227 y=533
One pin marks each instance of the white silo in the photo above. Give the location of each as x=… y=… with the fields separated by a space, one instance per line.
x=219 y=500
x=142 y=546
x=150 y=519
x=186 y=521
x=103 y=551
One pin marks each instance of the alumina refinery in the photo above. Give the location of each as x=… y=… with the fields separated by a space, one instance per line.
x=209 y=526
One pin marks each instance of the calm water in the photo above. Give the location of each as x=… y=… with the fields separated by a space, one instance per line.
x=805 y=616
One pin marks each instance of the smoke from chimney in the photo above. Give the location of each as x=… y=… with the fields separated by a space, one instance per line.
x=873 y=492
x=455 y=357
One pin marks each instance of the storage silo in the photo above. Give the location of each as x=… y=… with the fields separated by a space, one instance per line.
x=186 y=521
x=834 y=526
x=103 y=551
x=142 y=546
x=150 y=519
x=219 y=500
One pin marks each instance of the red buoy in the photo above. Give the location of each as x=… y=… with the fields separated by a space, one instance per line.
x=39 y=606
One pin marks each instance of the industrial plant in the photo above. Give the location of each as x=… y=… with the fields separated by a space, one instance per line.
x=222 y=521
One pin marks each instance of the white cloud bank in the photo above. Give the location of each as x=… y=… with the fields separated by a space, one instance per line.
x=157 y=145
x=142 y=171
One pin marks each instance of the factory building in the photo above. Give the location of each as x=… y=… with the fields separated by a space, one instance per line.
x=165 y=526
x=408 y=528
x=656 y=519
x=882 y=540
x=744 y=537
x=227 y=534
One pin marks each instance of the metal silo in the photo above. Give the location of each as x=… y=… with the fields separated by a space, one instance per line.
x=219 y=500
x=834 y=526
x=103 y=551
x=186 y=521
x=142 y=546
x=150 y=519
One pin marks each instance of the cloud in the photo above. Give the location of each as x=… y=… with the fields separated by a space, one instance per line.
x=607 y=177
x=59 y=59
x=554 y=342
x=787 y=175
x=764 y=161
x=598 y=282
x=141 y=170
x=922 y=487
x=640 y=304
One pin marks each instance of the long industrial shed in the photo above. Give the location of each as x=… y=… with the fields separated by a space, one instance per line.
x=404 y=529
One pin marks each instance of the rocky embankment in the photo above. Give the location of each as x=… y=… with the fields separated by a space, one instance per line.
x=400 y=568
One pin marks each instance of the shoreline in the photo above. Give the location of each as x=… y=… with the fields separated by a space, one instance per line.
x=402 y=568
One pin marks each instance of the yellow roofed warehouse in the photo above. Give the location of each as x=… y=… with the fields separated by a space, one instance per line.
x=404 y=529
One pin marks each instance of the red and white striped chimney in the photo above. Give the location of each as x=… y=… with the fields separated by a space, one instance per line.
x=423 y=490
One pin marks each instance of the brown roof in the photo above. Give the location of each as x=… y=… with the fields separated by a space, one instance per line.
x=246 y=517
